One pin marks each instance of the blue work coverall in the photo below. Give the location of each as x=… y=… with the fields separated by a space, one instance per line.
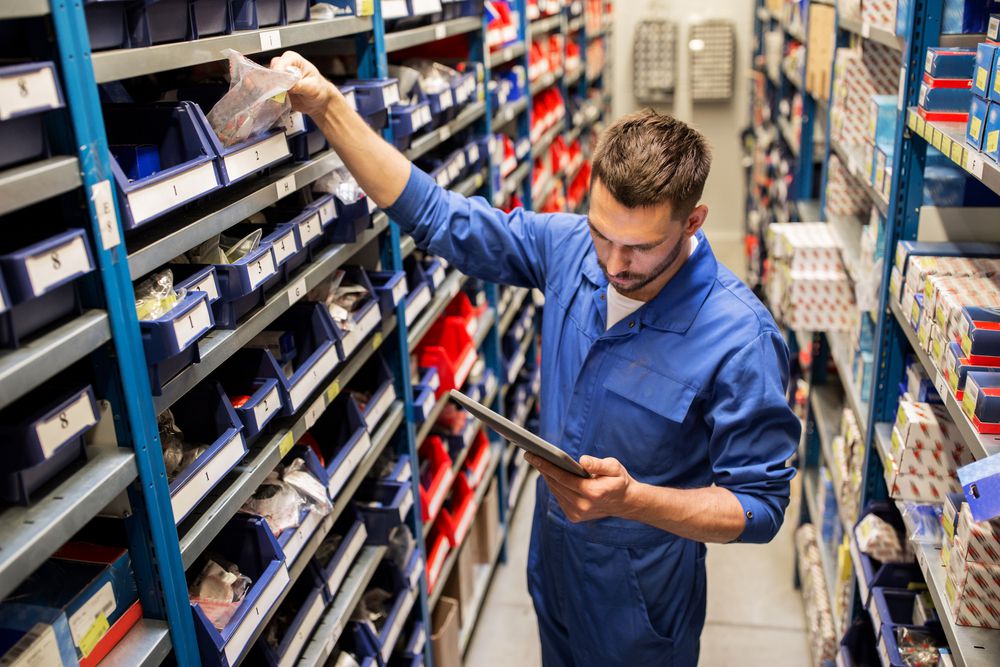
x=687 y=392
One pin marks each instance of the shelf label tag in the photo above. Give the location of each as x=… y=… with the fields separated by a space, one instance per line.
x=941 y=384
x=107 y=221
x=974 y=164
x=444 y=133
x=33 y=91
x=333 y=390
x=286 y=443
x=440 y=31
x=297 y=291
x=285 y=186
x=270 y=40
x=377 y=340
x=957 y=153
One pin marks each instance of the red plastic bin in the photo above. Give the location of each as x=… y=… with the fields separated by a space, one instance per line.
x=449 y=348
x=435 y=483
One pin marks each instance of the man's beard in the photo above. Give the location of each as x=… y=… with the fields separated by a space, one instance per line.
x=642 y=280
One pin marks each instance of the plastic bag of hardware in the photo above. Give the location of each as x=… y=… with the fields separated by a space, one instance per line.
x=155 y=296
x=219 y=591
x=340 y=183
x=256 y=101
x=926 y=522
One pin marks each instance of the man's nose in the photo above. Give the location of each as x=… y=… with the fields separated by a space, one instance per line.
x=617 y=260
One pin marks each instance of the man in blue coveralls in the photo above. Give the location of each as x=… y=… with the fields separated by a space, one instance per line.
x=661 y=373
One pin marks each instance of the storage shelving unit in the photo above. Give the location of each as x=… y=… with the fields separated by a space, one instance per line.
x=895 y=338
x=107 y=332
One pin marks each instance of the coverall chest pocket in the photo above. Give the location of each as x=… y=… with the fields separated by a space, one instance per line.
x=643 y=421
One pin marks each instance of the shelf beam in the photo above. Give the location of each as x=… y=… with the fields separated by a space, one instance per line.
x=37 y=181
x=405 y=39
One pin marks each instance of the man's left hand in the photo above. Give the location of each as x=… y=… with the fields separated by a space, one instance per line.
x=610 y=492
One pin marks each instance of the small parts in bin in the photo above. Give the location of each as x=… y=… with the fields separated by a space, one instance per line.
x=281 y=345
x=880 y=540
x=156 y=296
x=917 y=648
x=178 y=454
x=256 y=101
x=340 y=298
x=452 y=420
x=222 y=249
x=283 y=495
x=219 y=590
x=341 y=184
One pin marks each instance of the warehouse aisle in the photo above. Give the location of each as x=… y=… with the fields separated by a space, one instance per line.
x=754 y=614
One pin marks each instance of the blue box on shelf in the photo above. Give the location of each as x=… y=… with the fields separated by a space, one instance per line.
x=403 y=587
x=341 y=437
x=297 y=11
x=950 y=62
x=981 y=484
x=305 y=603
x=187 y=160
x=980 y=337
x=419 y=290
x=316 y=353
x=375 y=381
x=308 y=143
x=981 y=401
x=170 y=341
x=247 y=542
x=991 y=133
x=306 y=215
x=383 y=506
x=407 y=120
x=19 y=625
x=946 y=100
x=211 y=17
x=205 y=415
x=894 y=606
x=158 y=21
x=966 y=16
x=106 y=24
x=22 y=130
x=390 y=286
x=255 y=14
x=37 y=292
x=43 y=437
x=350 y=220
x=334 y=563
x=241 y=285
x=374 y=95
x=425 y=396
x=253 y=389
x=985 y=59
x=284 y=244
x=974 y=130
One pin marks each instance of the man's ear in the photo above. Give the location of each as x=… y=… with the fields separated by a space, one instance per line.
x=696 y=219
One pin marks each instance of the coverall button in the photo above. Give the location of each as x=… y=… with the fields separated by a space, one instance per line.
x=749 y=514
x=631 y=324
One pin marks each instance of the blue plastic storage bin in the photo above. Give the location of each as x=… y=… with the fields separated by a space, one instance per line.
x=158 y=21
x=285 y=249
x=382 y=639
x=857 y=648
x=384 y=506
x=424 y=400
x=40 y=284
x=244 y=376
x=351 y=531
x=415 y=634
x=43 y=436
x=317 y=353
x=875 y=573
x=441 y=102
x=187 y=161
x=296 y=11
x=374 y=95
x=366 y=316
x=22 y=131
x=894 y=606
x=254 y=14
x=241 y=285
x=463 y=88
x=343 y=440
x=407 y=120
x=402 y=471
x=211 y=17
x=247 y=542
x=171 y=340
x=306 y=144
x=390 y=286
x=106 y=25
x=351 y=219
x=304 y=605
x=307 y=229
x=195 y=279
x=293 y=540
x=376 y=380
x=205 y=416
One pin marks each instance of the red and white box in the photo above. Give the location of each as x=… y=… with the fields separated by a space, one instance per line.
x=977 y=541
x=973 y=591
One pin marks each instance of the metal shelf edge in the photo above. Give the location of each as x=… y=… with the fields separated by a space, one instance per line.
x=147 y=644
x=37 y=181
x=404 y=39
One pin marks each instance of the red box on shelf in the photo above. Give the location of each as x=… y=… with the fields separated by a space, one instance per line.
x=461 y=307
x=478 y=460
x=434 y=485
x=461 y=510
x=449 y=348
x=440 y=542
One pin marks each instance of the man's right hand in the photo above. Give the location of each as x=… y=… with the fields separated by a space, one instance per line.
x=313 y=94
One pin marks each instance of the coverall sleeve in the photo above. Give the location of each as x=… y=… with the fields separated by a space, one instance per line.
x=481 y=241
x=754 y=434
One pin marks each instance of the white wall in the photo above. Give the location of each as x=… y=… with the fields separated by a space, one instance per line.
x=720 y=123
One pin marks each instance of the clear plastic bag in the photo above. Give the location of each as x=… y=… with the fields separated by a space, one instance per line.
x=341 y=184
x=256 y=101
x=926 y=522
x=433 y=77
x=310 y=488
x=276 y=501
x=156 y=296
x=219 y=590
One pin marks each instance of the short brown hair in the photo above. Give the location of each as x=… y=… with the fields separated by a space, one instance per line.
x=648 y=159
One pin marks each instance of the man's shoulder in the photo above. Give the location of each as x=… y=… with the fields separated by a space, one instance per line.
x=733 y=307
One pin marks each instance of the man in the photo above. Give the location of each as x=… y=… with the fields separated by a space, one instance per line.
x=661 y=373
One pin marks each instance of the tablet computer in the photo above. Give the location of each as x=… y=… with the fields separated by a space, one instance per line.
x=521 y=437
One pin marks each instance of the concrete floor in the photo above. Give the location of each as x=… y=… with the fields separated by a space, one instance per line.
x=754 y=617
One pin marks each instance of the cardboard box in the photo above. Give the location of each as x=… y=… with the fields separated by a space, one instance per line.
x=486 y=535
x=956 y=367
x=975 y=128
x=980 y=335
x=991 y=134
x=445 y=633
x=927 y=427
x=949 y=515
x=971 y=583
x=822 y=40
x=462 y=582
x=981 y=483
x=907 y=249
x=882 y=119
x=950 y=62
x=977 y=541
x=983 y=72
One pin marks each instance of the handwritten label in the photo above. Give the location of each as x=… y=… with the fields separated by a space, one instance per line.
x=261 y=268
x=191 y=325
x=974 y=164
x=58 y=429
x=107 y=220
x=184 y=499
x=240 y=638
x=270 y=40
x=284 y=247
x=50 y=268
x=310 y=229
x=256 y=156
x=285 y=186
x=31 y=91
x=267 y=408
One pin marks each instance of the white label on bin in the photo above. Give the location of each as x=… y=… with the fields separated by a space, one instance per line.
x=370 y=320
x=107 y=221
x=399 y=291
x=371 y=205
x=301 y=535
x=28 y=92
x=437 y=500
x=285 y=186
x=941 y=385
x=53 y=433
x=198 y=485
x=472 y=326
x=327 y=212
x=974 y=164
x=442 y=178
x=463 y=370
x=418 y=569
x=284 y=247
x=474 y=153
x=208 y=285
x=416 y=646
x=381 y=406
x=406 y=504
x=260 y=269
x=270 y=40
x=267 y=408
x=310 y=228
x=192 y=324
x=437 y=277
x=397 y=625
x=294 y=123
x=336 y=577
x=101 y=603
x=308 y=382
x=51 y=267
x=429 y=404
x=241 y=636
x=303 y=633
x=348 y=465
x=150 y=201
x=390 y=94
x=297 y=290
x=884 y=651
x=258 y=156
x=876 y=618
x=314 y=412
x=419 y=302
x=38 y=648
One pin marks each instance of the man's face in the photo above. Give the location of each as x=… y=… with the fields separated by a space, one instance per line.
x=638 y=249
